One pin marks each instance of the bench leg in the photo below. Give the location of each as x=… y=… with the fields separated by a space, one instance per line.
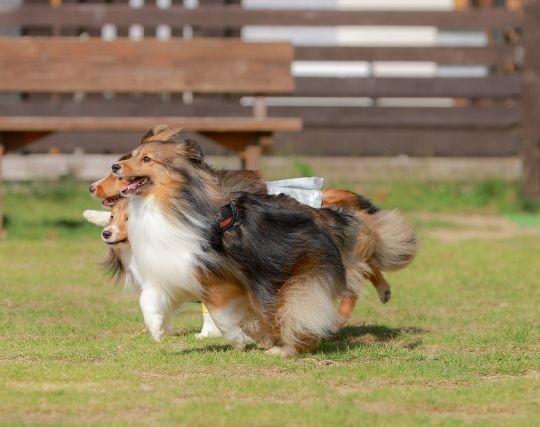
x=251 y=157
x=2 y=231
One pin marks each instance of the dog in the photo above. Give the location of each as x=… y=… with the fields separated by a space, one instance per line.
x=115 y=235
x=267 y=267
x=395 y=240
x=118 y=260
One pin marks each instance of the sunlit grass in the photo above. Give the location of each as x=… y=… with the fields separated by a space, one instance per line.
x=458 y=343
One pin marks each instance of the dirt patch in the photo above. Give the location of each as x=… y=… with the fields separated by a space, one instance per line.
x=465 y=227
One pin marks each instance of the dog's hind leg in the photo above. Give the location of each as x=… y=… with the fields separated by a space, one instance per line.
x=346 y=307
x=229 y=318
x=306 y=315
x=382 y=286
x=349 y=296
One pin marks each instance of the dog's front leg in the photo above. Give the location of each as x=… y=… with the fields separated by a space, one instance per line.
x=156 y=309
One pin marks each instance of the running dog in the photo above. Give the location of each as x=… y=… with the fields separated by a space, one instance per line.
x=267 y=267
x=395 y=239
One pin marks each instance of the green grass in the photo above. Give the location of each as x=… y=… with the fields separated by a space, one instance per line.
x=484 y=196
x=52 y=210
x=458 y=344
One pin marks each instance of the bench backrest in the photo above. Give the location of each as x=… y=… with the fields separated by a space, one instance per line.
x=54 y=64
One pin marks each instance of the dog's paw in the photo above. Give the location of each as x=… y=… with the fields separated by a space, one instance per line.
x=156 y=328
x=238 y=340
x=208 y=333
x=282 y=351
x=385 y=295
x=101 y=218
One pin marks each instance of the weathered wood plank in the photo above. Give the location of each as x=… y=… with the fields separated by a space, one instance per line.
x=415 y=142
x=485 y=87
x=89 y=15
x=2 y=231
x=498 y=55
x=200 y=124
x=388 y=117
x=531 y=104
x=203 y=65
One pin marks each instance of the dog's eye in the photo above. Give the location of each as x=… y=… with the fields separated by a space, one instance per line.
x=146 y=159
x=126 y=218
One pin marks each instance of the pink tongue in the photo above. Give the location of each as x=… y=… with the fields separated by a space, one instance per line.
x=131 y=186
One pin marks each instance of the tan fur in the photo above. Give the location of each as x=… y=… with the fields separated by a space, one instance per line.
x=108 y=187
x=346 y=307
x=387 y=242
x=218 y=292
x=398 y=244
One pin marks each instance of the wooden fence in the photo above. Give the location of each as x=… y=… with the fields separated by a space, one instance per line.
x=493 y=114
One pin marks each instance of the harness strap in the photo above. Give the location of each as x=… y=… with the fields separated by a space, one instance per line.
x=226 y=217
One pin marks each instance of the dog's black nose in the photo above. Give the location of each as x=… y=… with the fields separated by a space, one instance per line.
x=92 y=189
x=116 y=167
x=106 y=234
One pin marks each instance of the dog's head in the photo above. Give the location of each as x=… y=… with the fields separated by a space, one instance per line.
x=114 y=223
x=108 y=188
x=155 y=164
x=117 y=232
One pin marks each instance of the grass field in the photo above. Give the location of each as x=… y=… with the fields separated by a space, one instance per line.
x=458 y=344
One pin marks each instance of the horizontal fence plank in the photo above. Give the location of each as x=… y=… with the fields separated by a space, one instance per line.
x=89 y=15
x=54 y=64
x=389 y=117
x=338 y=117
x=417 y=142
x=485 y=87
x=498 y=55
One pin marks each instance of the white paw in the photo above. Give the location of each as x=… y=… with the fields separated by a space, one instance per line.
x=156 y=328
x=209 y=328
x=282 y=351
x=208 y=333
x=239 y=340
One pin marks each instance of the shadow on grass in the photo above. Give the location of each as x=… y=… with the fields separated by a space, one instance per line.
x=351 y=337
x=346 y=339
x=67 y=224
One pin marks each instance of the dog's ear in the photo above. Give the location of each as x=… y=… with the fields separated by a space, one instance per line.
x=101 y=218
x=192 y=151
x=149 y=134
x=162 y=133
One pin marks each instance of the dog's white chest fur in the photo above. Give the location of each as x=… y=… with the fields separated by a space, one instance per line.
x=164 y=251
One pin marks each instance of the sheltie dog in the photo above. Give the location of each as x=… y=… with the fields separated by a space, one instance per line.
x=394 y=238
x=115 y=235
x=267 y=267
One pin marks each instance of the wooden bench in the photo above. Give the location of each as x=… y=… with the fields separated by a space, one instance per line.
x=206 y=66
x=61 y=65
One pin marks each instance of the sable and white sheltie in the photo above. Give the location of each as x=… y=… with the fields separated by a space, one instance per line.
x=115 y=235
x=394 y=244
x=267 y=267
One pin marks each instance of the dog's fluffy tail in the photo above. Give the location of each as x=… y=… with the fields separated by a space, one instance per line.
x=397 y=241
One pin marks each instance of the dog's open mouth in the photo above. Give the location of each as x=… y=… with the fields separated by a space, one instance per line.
x=135 y=184
x=109 y=202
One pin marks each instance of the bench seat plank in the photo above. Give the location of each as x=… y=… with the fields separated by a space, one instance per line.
x=64 y=64
x=199 y=124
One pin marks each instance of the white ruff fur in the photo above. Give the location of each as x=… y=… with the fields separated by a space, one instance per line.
x=125 y=257
x=164 y=257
